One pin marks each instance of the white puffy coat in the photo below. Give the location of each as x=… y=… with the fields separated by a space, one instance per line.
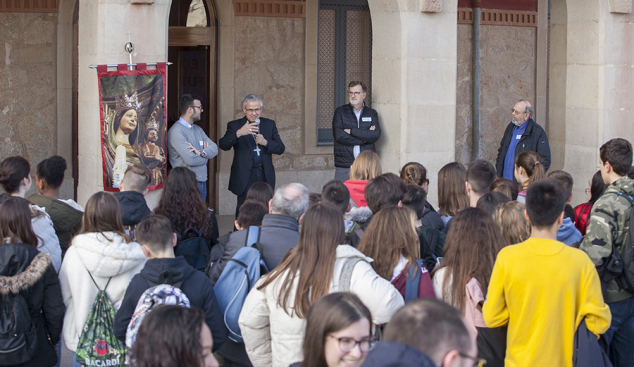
x=47 y=241
x=104 y=259
x=274 y=338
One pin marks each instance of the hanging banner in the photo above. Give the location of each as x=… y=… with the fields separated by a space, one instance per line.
x=133 y=122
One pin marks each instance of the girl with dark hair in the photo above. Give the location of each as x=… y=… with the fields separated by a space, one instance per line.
x=260 y=191
x=273 y=316
x=173 y=336
x=452 y=192
x=29 y=273
x=462 y=278
x=582 y=211
x=414 y=173
x=101 y=256
x=391 y=240
x=181 y=203
x=65 y=214
x=15 y=178
x=338 y=332
x=529 y=167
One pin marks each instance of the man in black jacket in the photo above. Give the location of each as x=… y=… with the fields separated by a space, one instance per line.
x=254 y=140
x=157 y=240
x=355 y=128
x=522 y=134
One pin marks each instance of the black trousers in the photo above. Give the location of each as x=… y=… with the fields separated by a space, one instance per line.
x=257 y=175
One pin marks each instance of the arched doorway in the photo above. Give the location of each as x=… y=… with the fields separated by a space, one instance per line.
x=192 y=47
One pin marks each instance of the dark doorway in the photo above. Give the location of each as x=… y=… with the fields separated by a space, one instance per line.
x=192 y=49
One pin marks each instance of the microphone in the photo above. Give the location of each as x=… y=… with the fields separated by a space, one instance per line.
x=257 y=121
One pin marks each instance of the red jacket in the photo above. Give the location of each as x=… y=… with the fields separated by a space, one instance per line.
x=357 y=191
x=425 y=287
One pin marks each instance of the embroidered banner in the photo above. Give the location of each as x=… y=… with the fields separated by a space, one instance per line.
x=133 y=122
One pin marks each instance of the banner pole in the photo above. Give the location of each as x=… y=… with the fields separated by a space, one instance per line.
x=115 y=65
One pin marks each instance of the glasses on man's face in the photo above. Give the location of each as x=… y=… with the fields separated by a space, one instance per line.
x=516 y=112
x=201 y=107
x=254 y=110
x=346 y=345
x=356 y=94
x=479 y=362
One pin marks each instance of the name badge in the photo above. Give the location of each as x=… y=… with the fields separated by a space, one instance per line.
x=201 y=142
x=366 y=119
x=518 y=137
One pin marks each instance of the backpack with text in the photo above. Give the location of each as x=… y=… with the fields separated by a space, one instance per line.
x=237 y=279
x=97 y=344
x=18 y=335
x=619 y=265
x=163 y=293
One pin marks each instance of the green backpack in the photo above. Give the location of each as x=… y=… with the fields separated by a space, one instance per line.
x=97 y=344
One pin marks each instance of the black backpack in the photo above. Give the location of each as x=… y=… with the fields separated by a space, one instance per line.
x=619 y=265
x=18 y=339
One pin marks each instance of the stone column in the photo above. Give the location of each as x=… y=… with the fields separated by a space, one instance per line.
x=414 y=84
x=103 y=32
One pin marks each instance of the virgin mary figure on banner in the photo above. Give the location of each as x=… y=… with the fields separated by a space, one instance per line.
x=134 y=130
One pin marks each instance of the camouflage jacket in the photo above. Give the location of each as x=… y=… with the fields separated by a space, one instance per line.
x=609 y=223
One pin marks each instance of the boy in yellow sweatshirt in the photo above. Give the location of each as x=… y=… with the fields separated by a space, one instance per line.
x=543 y=289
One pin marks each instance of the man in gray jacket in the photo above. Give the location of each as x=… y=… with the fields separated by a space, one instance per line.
x=187 y=143
x=279 y=232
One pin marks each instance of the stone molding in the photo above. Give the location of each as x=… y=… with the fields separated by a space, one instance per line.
x=269 y=8
x=29 y=6
x=142 y=2
x=500 y=17
x=431 y=6
x=621 y=6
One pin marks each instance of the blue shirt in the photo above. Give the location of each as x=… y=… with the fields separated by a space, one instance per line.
x=185 y=123
x=509 y=159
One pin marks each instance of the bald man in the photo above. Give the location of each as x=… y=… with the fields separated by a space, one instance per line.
x=522 y=134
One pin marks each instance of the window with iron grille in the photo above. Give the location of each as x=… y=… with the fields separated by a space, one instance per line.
x=345 y=54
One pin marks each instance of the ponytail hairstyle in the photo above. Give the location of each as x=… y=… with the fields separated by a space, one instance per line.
x=12 y=171
x=414 y=173
x=51 y=170
x=533 y=164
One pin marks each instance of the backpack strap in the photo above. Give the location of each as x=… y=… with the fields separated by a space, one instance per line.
x=412 y=281
x=346 y=273
x=253 y=236
x=93 y=280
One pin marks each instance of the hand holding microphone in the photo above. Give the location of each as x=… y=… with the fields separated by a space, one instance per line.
x=259 y=138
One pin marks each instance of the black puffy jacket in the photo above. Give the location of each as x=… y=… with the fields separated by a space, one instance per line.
x=25 y=270
x=393 y=354
x=362 y=136
x=534 y=139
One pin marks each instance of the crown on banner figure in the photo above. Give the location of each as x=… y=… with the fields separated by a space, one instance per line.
x=126 y=102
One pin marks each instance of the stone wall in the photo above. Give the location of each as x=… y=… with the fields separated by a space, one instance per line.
x=507 y=74
x=269 y=61
x=27 y=86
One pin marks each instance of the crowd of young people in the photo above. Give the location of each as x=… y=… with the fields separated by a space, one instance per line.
x=365 y=272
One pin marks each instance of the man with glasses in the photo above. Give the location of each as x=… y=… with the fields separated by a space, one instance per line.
x=425 y=333
x=355 y=128
x=187 y=143
x=254 y=140
x=522 y=134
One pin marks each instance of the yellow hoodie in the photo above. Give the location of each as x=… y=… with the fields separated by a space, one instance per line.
x=543 y=289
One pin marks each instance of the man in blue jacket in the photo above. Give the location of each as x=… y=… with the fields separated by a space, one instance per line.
x=355 y=128
x=521 y=135
x=157 y=240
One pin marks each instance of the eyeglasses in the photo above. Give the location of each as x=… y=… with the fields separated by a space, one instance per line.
x=201 y=107
x=254 y=110
x=479 y=362
x=346 y=345
x=513 y=110
x=356 y=94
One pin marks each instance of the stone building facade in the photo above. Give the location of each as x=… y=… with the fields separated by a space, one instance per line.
x=421 y=80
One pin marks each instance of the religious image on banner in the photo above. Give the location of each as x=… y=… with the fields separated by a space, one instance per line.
x=133 y=123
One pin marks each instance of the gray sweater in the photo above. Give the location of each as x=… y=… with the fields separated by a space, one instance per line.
x=177 y=138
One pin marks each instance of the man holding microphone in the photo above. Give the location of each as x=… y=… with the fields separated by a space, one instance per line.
x=254 y=140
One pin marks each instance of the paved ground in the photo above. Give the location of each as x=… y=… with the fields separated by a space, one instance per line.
x=225 y=225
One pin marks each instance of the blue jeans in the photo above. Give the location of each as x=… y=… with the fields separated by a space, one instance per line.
x=617 y=341
x=202 y=187
x=75 y=363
